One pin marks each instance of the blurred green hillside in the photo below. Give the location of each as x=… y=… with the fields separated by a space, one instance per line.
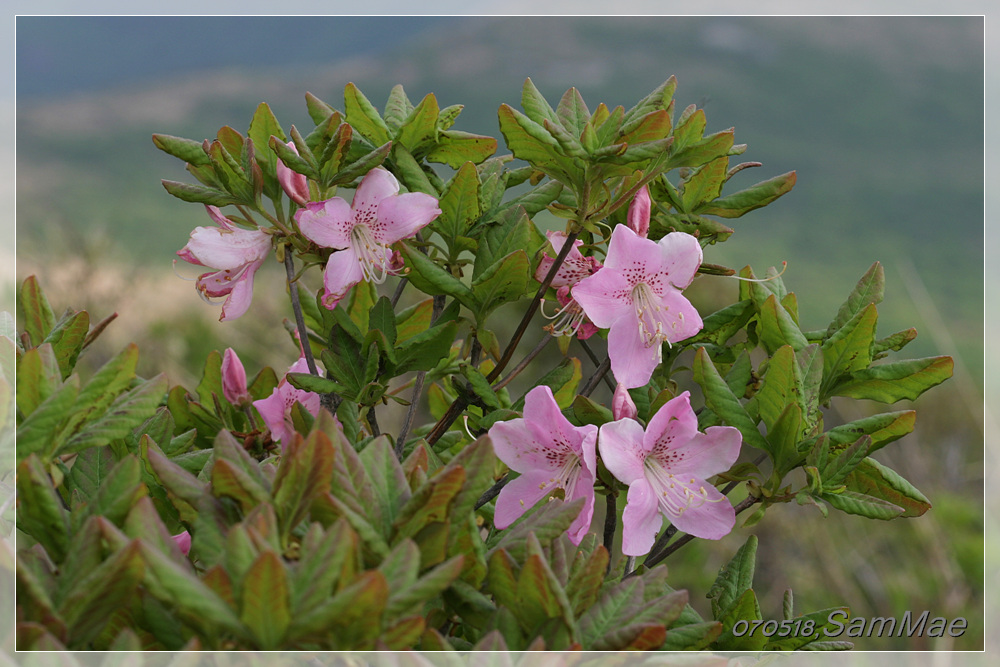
x=882 y=118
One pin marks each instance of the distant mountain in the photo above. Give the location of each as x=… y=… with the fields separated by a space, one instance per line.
x=881 y=117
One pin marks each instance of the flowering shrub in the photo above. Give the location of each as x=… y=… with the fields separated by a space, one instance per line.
x=283 y=513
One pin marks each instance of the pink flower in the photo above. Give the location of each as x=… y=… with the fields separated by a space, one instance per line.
x=638 y=212
x=183 y=540
x=665 y=469
x=295 y=185
x=236 y=253
x=276 y=409
x=638 y=296
x=234 y=379
x=570 y=320
x=622 y=405
x=363 y=230
x=550 y=453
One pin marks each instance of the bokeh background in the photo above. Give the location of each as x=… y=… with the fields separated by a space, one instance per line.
x=882 y=118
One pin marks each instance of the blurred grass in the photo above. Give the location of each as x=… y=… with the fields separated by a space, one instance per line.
x=881 y=118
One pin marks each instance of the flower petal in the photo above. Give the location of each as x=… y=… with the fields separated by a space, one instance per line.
x=520 y=495
x=605 y=296
x=327 y=223
x=682 y=257
x=272 y=411
x=226 y=249
x=582 y=487
x=622 y=452
x=239 y=298
x=548 y=425
x=515 y=445
x=632 y=361
x=640 y=520
x=673 y=425
x=402 y=216
x=712 y=520
x=708 y=453
x=622 y=405
x=234 y=378
x=636 y=258
x=679 y=318
x=343 y=271
x=378 y=184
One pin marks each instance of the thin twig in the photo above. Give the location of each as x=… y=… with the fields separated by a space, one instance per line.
x=593 y=357
x=591 y=385
x=524 y=362
x=399 y=291
x=418 y=387
x=373 y=421
x=493 y=491
x=610 y=522
x=293 y=290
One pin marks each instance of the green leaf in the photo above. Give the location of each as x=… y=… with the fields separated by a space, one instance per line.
x=175 y=478
x=200 y=194
x=37 y=377
x=124 y=414
x=431 y=279
x=350 y=619
x=263 y=126
x=364 y=117
x=455 y=148
x=529 y=141
x=322 y=566
x=869 y=290
x=67 y=340
x=548 y=522
x=535 y=105
x=744 y=201
x=382 y=318
x=387 y=482
x=38 y=434
x=460 y=206
x=896 y=381
x=505 y=281
x=720 y=399
x=746 y=607
x=409 y=598
x=187 y=150
x=698 y=153
x=874 y=479
x=265 y=600
x=36 y=313
x=616 y=606
x=90 y=470
x=481 y=387
x=119 y=492
x=417 y=132
x=89 y=606
x=40 y=510
x=425 y=350
x=305 y=471
x=587 y=411
x=849 y=348
x=704 y=185
x=777 y=327
x=691 y=637
x=852 y=502
x=735 y=578
x=572 y=112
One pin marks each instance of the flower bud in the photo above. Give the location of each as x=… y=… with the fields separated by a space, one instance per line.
x=639 y=211
x=295 y=185
x=183 y=540
x=234 y=379
x=622 y=406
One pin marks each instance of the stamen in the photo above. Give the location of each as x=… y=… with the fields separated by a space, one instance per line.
x=190 y=280
x=646 y=304
x=370 y=253
x=677 y=496
x=568 y=319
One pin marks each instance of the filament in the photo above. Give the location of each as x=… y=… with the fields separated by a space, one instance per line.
x=370 y=253
x=784 y=265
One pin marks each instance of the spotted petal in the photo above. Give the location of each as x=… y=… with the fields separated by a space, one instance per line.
x=402 y=216
x=640 y=520
x=327 y=223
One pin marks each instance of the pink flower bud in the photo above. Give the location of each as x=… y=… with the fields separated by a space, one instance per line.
x=639 y=211
x=295 y=185
x=234 y=379
x=183 y=540
x=622 y=406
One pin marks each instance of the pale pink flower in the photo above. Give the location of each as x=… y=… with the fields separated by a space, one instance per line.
x=295 y=185
x=363 y=230
x=550 y=453
x=637 y=295
x=235 y=252
x=665 y=468
x=276 y=409
x=570 y=320
x=183 y=540
x=639 y=211
x=234 y=379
